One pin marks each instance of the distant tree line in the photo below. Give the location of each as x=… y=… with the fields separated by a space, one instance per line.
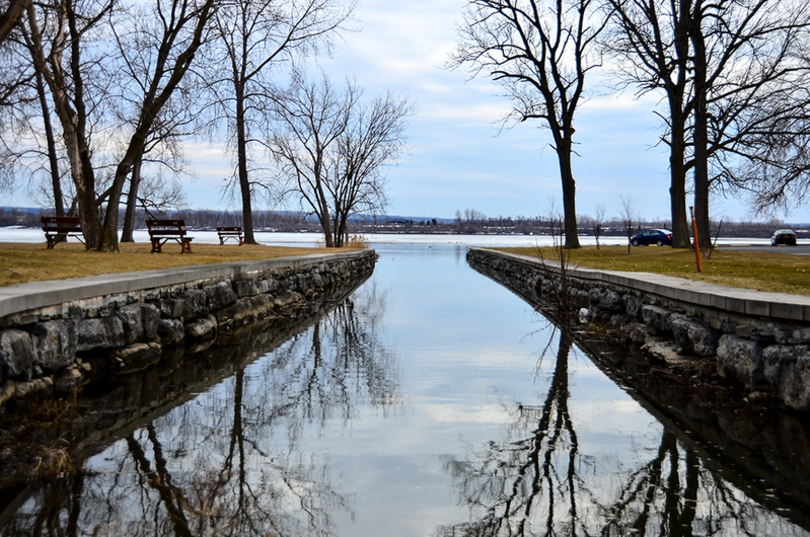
x=476 y=224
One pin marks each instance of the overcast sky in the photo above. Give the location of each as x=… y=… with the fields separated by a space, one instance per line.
x=456 y=157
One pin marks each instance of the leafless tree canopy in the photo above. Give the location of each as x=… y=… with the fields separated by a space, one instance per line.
x=331 y=150
x=254 y=38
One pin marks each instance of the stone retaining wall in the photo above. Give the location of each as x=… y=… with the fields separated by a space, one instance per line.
x=54 y=348
x=764 y=351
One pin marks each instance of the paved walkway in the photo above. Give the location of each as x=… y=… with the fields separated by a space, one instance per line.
x=27 y=296
x=799 y=249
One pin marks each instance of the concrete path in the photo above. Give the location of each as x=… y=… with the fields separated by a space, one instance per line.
x=799 y=249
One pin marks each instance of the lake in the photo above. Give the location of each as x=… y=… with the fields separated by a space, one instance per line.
x=432 y=402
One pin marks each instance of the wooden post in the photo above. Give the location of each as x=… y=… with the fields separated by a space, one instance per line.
x=695 y=236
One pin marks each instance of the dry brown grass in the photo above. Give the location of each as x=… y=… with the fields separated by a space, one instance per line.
x=776 y=272
x=26 y=262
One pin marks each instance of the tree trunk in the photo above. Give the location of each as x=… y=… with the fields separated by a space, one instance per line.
x=56 y=183
x=132 y=202
x=327 y=230
x=678 y=118
x=569 y=193
x=323 y=215
x=701 y=131
x=677 y=189
x=242 y=165
x=11 y=16
x=84 y=181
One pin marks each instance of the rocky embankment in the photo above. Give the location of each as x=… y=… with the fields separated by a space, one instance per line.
x=53 y=349
x=758 y=340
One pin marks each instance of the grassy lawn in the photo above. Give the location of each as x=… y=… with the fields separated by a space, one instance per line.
x=26 y=262
x=776 y=272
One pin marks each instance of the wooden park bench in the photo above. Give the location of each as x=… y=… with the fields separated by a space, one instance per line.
x=59 y=228
x=163 y=231
x=232 y=232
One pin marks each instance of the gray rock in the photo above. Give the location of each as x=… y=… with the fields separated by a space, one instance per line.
x=136 y=357
x=267 y=286
x=170 y=331
x=741 y=358
x=787 y=371
x=611 y=301
x=194 y=304
x=638 y=334
x=222 y=295
x=68 y=380
x=140 y=322
x=595 y=295
x=55 y=343
x=801 y=335
x=33 y=388
x=285 y=298
x=236 y=314
x=693 y=335
x=172 y=308
x=657 y=318
x=261 y=305
x=203 y=329
x=632 y=304
x=99 y=333
x=7 y=388
x=16 y=354
x=246 y=287
x=131 y=321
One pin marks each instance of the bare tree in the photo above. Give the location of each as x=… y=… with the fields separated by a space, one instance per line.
x=311 y=118
x=540 y=52
x=331 y=150
x=16 y=101
x=627 y=216
x=599 y=215
x=757 y=103
x=256 y=36
x=149 y=189
x=31 y=145
x=748 y=54
x=374 y=138
x=78 y=59
x=531 y=480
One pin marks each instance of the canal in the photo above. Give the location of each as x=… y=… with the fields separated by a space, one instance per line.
x=431 y=402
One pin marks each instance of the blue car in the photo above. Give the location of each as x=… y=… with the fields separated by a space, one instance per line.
x=660 y=237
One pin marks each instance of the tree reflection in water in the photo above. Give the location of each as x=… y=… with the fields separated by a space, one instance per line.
x=227 y=462
x=542 y=484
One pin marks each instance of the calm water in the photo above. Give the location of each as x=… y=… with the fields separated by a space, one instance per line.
x=433 y=402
